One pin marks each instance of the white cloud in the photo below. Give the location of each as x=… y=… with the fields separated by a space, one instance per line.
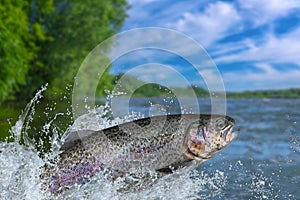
x=138 y=12
x=265 y=11
x=141 y=1
x=213 y=79
x=145 y=13
x=151 y=45
x=157 y=73
x=273 y=49
x=213 y=24
x=267 y=69
x=237 y=32
x=268 y=78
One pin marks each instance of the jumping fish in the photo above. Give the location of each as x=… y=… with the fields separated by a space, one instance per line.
x=149 y=147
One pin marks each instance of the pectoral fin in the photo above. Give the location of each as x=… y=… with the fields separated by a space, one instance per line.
x=175 y=166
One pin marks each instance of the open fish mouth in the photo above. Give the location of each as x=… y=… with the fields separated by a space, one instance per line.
x=203 y=140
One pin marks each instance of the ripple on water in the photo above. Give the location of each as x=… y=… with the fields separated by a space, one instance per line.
x=261 y=164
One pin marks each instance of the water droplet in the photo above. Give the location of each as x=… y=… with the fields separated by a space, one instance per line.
x=240 y=163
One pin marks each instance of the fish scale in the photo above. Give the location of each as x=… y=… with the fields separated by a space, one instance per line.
x=158 y=145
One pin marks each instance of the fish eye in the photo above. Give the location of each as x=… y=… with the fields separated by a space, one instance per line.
x=221 y=123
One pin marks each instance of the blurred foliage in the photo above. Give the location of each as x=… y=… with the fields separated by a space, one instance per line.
x=46 y=41
x=132 y=86
x=15 y=40
x=137 y=88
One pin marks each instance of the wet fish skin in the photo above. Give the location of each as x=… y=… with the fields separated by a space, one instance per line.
x=161 y=144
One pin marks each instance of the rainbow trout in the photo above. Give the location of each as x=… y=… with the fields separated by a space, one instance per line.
x=144 y=149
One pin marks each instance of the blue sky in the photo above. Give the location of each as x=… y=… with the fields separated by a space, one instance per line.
x=254 y=43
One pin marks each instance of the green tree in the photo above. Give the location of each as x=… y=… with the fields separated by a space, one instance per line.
x=46 y=41
x=14 y=42
x=19 y=38
x=74 y=28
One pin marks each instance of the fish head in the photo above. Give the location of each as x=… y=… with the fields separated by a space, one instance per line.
x=208 y=135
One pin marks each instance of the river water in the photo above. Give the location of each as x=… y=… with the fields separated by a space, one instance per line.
x=263 y=163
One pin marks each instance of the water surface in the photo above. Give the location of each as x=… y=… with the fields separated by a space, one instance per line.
x=263 y=163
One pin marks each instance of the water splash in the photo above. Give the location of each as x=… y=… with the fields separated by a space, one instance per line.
x=19 y=172
x=21 y=166
x=19 y=131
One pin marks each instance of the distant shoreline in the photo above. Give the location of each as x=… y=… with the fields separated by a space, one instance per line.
x=153 y=91
x=281 y=93
x=156 y=90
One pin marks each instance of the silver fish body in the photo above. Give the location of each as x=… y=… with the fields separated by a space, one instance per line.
x=146 y=147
